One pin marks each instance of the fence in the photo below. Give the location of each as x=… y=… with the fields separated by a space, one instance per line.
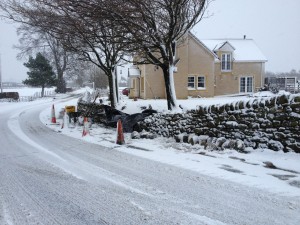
x=36 y=95
x=290 y=84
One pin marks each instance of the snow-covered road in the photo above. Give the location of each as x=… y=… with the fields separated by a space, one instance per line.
x=47 y=178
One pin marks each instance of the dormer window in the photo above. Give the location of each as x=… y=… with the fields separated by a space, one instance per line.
x=226 y=62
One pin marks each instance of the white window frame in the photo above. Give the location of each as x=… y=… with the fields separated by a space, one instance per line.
x=204 y=82
x=189 y=82
x=226 y=60
x=246 y=84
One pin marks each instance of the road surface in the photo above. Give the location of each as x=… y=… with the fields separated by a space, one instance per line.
x=48 y=178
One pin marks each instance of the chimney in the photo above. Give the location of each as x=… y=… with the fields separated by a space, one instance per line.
x=244 y=37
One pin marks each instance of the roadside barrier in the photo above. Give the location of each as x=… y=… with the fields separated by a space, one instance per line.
x=120 y=135
x=85 y=127
x=53 y=118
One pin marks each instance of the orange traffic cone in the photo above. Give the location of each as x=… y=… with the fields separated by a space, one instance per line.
x=120 y=135
x=85 y=127
x=53 y=118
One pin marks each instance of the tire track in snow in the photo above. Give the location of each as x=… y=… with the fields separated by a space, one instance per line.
x=14 y=126
x=87 y=171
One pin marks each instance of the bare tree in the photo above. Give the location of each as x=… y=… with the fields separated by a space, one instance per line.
x=98 y=77
x=35 y=40
x=82 y=27
x=156 y=26
x=101 y=31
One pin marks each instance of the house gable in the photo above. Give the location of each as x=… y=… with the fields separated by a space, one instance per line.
x=209 y=51
x=224 y=47
x=200 y=69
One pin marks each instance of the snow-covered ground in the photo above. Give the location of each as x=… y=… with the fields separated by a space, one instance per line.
x=248 y=169
x=28 y=91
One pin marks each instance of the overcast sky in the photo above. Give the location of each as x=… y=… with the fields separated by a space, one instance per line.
x=273 y=24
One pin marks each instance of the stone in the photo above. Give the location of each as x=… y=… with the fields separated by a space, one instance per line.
x=295 y=147
x=198 y=131
x=135 y=135
x=241 y=105
x=239 y=146
x=248 y=104
x=211 y=124
x=232 y=118
x=288 y=109
x=231 y=124
x=185 y=138
x=262 y=145
x=220 y=141
x=275 y=145
x=221 y=109
x=294 y=123
x=228 y=144
x=213 y=109
x=193 y=139
x=203 y=139
x=232 y=107
x=279 y=136
x=255 y=125
x=297 y=98
x=276 y=123
x=270 y=103
x=255 y=104
x=282 y=99
x=242 y=126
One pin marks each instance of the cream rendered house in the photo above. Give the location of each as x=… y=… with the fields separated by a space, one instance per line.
x=206 y=68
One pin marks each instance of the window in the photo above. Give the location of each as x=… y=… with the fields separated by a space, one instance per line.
x=191 y=82
x=246 y=84
x=201 y=82
x=226 y=62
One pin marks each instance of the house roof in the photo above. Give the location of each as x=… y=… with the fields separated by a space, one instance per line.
x=244 y=49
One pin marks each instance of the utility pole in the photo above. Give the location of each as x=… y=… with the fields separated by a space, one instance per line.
x=0 y=76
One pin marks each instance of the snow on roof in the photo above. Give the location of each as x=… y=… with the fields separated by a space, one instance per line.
x=134 y=71
x=245 y=49
x=221 y=45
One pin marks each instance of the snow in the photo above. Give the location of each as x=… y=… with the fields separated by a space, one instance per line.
x=134 y=71
x=192 y=103
x=14 y=126
x=204 y=219
x=246 y=169
x=27 y=91
x=245 y=49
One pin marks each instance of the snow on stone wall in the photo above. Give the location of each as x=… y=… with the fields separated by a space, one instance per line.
x=273 y=123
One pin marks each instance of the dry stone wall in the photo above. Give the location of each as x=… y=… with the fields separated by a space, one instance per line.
x=272 y=123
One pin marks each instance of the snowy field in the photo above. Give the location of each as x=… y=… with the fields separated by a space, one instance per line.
x=247 y=169
x=27 y=91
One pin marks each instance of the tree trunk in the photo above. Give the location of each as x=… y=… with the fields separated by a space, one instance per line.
x=116 y=85
x=170 y=89
x=42 y=93
x=61 y=85
x=111 y=91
